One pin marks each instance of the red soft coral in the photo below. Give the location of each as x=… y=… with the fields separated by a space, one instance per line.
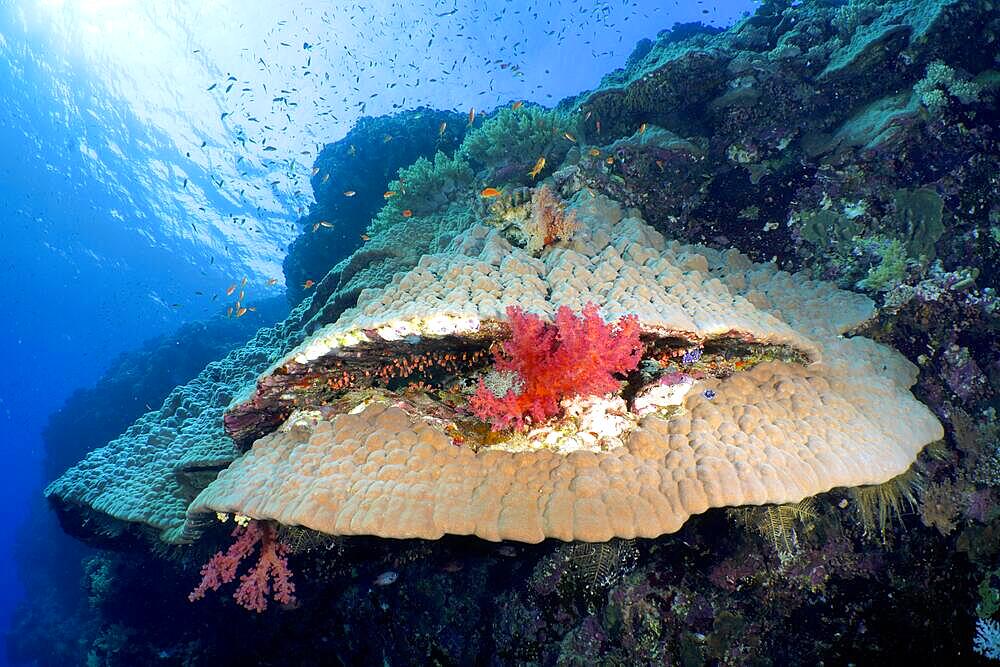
x=256 y=584
x=575 y=356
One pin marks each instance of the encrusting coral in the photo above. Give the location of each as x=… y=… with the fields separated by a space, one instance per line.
x=780 y=407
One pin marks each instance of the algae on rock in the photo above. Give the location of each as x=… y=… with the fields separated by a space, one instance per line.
x=919 y=212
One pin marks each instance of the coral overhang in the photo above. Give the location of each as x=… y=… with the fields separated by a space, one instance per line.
x=778 y=407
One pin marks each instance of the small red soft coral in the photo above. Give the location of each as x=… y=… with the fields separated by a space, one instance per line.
x=542 y=363
x=256 y=584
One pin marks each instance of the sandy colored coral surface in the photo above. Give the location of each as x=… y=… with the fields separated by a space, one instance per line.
x=776 y=433
x=150 y=473
x=669 y=288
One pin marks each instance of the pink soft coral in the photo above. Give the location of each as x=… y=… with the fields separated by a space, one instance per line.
x=545 y=363
x=256 y=584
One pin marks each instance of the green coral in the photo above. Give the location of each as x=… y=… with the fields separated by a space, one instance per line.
x=989 y=595
x=521 y=136
x=827 y=228
x=941 y=79
x=920 y=213
x=856 y=13
x=425 y=188
x=892 y=267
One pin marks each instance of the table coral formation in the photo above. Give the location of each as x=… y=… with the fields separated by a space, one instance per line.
x=778 y=432
x=149 y=474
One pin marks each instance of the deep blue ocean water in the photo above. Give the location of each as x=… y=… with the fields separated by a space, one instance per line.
x=153 y=153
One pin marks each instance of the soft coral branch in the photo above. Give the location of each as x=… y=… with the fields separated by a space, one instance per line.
x=574 y=356
x=254 y=586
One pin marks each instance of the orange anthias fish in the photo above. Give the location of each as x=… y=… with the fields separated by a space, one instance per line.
x=241 y=312
x=472 y=115
x=243 y=282
x=594 y=152
x=326 y=178
x=517 y=105
x=489 y=192
x=315 y=227
x=324 y=223
x=365 y=237
x=407 y=213
x=349 y=193
x=229 y=313
x=642 y=128
x=230 y=289
x=539 y=165
x=388 y=193
x=272 y=281
x=443 y=126
x=569 y=136
x=315 y=171
x=307 y=284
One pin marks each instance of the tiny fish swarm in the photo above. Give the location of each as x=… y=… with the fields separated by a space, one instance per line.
x=575 y=356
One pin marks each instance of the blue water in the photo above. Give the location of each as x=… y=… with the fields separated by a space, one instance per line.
x=154 y=153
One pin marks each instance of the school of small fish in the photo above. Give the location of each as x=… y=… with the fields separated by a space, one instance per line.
x=336 y=81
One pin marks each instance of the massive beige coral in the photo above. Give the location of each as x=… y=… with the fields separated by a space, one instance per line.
x=776 y=433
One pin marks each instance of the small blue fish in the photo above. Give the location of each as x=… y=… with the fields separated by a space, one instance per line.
x=709 y=394
x=691 y=356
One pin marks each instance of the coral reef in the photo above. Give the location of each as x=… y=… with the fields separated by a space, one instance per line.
x=149 y=474
x=714 y=445
x=849 y=143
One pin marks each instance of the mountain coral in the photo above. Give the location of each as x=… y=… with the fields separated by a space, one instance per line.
x=575 y=356
x=256 y=584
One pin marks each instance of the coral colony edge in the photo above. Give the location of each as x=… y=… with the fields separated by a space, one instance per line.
x=504 y=429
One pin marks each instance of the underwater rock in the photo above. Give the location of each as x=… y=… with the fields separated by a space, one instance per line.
x=364 y=161
x=776 y=100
